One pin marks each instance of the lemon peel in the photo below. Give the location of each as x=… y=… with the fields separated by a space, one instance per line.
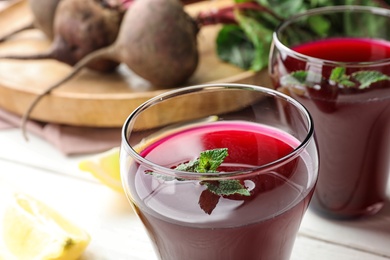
x=33 y=230
x=104 y=167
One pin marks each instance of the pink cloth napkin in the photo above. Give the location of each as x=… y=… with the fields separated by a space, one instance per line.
x=70 y=140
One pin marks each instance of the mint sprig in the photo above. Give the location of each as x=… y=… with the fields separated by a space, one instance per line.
x=366 y=78
x=208 y=162
x=360 y=79
x=298 y=77
x=338 y=76
x=227 y=187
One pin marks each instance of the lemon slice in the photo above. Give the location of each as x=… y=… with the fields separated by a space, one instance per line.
x=34 y=231
x=105 y=167
x=5 y=255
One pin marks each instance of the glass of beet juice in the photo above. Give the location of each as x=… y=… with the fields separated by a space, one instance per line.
x=221 y=171
x=336 y=62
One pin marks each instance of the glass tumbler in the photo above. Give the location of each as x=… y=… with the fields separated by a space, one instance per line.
x=336 y=62
x=195 y=206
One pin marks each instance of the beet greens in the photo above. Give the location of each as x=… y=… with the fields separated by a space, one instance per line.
x=245 y=37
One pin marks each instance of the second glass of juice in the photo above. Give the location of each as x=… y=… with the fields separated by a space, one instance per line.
x=336 y=61
x=252 y=205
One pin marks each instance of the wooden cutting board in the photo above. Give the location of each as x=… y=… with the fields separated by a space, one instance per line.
x=94 y=99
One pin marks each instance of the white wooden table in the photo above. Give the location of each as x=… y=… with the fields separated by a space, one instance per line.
x=36 y=168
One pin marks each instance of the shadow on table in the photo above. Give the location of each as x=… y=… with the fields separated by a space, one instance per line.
x=368 y=234
x=378 y=223
x=386 y=210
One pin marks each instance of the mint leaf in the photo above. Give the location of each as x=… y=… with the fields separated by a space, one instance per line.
x=208 y=201
x=366 y=78
x=163 y=177
x=299 y=76
x=296 y=78
x=210 y=160
x=227 y=187
x=338 y=76
x=191 y=166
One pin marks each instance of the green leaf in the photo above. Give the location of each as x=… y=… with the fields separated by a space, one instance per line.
x=163 y=177
x=337 y=73
x=338 y=76
x=284 y=8
x=227 y=187
x=244 y=48
x=291 y=80
x=210 y=160
x=233 y=46
x=319 y=25
x=301 y=78
x=366 y=78
x=260 y=36
x=191 y=166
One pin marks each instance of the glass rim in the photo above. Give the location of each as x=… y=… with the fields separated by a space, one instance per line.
x=323 y=10
x=225 y=175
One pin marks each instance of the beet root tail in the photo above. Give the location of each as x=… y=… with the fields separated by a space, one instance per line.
x=101 y=53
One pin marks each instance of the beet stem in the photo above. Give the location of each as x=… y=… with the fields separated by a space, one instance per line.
x=39 y=56
x=106 y=52
x=127 y=3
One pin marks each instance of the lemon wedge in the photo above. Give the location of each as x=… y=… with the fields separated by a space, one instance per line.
x=5 y=255
x=105 y=167
x=34 y=231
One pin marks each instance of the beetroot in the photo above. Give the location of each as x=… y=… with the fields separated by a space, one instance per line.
x=157 y=40
x=43 y=18
x=81 y=27
x=44 y=13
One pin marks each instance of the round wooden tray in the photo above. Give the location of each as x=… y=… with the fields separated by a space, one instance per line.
x=93 y=99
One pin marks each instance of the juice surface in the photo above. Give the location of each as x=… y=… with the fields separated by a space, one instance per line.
x=346 y=49
x=237 y=227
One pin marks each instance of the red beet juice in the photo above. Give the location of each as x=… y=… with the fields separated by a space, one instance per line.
x=352 y=125
x=186 y=221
